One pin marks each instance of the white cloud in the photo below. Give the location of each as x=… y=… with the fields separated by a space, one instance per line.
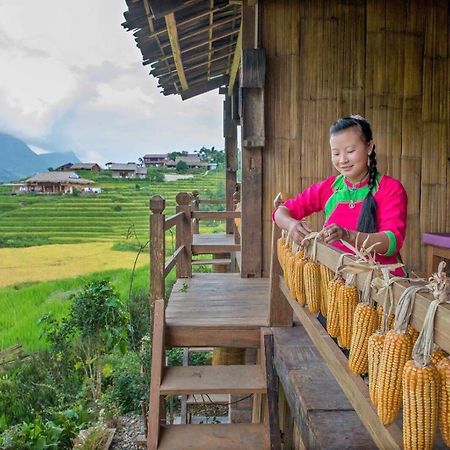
x=72 y=79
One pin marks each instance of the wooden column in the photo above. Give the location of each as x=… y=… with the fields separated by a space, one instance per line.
x=157 y=249
x=252 y=141
x=184 y=235
x=231 y=162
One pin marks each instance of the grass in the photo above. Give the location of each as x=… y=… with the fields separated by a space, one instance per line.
x=21 y=306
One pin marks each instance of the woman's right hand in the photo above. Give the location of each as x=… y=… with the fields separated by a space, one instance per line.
x=297 y=230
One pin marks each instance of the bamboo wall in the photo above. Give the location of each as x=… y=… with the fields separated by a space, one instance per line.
x=387 y=60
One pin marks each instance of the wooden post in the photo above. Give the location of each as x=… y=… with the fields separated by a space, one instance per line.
x=272 y=394
x=280 y=313
x=231 y=164
x=195 y=207
x=252 y=135
x=157 y=248
x=184 y=235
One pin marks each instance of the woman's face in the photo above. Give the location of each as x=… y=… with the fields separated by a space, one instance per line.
x=350 y=154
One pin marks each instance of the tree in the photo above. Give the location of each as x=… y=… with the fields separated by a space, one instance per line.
x=173 y=155
x=182 y=167
x=155 y=175
x=211 y=155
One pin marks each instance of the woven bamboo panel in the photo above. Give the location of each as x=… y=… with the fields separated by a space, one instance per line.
x=386 y=60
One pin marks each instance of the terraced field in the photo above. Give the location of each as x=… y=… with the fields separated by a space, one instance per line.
x=106 y=217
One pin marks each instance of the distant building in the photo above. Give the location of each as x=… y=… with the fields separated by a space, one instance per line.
x=93 y=167
x=155 y=160
x=52 y=183
x=129 y=170
x=192 y=161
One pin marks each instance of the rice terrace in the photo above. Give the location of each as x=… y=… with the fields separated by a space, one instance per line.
x=50 y=245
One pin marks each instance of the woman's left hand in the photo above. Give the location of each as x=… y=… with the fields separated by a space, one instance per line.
x=332 y=233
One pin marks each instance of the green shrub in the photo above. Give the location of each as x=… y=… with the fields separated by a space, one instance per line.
x=127 y=386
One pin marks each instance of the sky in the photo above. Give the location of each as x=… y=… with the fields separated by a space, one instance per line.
x=72 y=79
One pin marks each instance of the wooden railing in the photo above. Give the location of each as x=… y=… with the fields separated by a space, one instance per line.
x=182 y=256
x=353 y=385
x=186 y=214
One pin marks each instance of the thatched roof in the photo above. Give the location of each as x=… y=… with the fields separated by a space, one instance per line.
x=57 y=177
x=190 y=45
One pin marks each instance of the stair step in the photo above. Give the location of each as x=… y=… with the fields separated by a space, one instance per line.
x=199 y=399
x=249 y=436
x=214 y=262
x=243 y=379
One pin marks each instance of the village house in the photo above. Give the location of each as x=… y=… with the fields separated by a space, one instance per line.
x=93 y=167
x=192 y=161
x=52 y=183
x=155 y=160
x=128 y=170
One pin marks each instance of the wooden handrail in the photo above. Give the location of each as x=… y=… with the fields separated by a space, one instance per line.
x=212 y=202
x=215 y=215
x=329 y=256
x=170 y=263
x=172 y=221
x=353 y=385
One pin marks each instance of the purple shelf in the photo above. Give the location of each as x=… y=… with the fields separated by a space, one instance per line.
x=437 y=239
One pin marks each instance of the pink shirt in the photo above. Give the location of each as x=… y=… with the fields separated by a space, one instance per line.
x=335 y=197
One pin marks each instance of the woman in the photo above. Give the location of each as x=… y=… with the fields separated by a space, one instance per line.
x=359 y=203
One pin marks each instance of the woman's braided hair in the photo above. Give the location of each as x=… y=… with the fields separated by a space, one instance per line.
x=367 y=220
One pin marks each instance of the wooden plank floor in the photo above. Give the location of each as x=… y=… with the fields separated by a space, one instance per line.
x=201 y=306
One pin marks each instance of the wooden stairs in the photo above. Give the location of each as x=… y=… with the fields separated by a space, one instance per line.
x=190 y=380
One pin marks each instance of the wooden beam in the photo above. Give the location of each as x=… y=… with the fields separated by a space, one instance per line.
x=175 y=45
x=236 y=62
x=206 y=87
x=162 y=8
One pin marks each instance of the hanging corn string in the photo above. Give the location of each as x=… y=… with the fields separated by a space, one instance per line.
x=326 y=275
x=333 y=305
x=376 y=340
x=421 y=379
x=396 y=352
x=443 y=368
x=311 y=275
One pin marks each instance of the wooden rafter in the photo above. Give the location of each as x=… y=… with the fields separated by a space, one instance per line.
x=174 y=43
x=210 y=35
x=236 y=62
x=151 y=29
x=158 y=64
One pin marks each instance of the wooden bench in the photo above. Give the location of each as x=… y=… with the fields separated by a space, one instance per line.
x=438 y=248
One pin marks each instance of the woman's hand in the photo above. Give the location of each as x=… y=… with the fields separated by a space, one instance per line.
x=297 y=230
x=332 y=233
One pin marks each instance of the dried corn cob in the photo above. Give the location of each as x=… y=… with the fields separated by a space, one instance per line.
x=290 y=275
x=299 y=281
x=420 y=406
x=311 y=277
x=333 y=307
x=412 y=333
x=364 y=325
x=348 y=297
x=326 y=275
x=374 y=351
x=380 y=317
x=438 y=355
x=396 y=351
x=443 y=368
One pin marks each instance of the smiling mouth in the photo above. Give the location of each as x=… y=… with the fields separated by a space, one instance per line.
x=346 y=168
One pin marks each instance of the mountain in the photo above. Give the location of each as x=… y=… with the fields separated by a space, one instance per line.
x=18 y=161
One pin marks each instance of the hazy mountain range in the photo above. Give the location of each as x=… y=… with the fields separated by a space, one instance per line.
x=18 y=161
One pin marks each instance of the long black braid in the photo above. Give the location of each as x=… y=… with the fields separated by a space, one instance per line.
x=367 y=220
